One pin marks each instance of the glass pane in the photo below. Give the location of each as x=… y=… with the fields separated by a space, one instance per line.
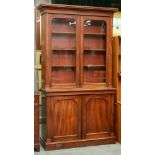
x=63 y=53
x=94 y=51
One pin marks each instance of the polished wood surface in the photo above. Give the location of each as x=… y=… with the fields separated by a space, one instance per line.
x=76 y=7
x=118 y=121
x=76 y=143
x=66 y=113
x=77 y=87
x=36 y=122
x=117 y=67
x=117 y=84
x=78 y=120
x=37 y=29
x=98 y=111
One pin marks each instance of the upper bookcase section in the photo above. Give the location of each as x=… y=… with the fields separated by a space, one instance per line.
x=75 y=9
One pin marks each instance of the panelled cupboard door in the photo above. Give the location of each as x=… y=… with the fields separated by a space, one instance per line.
x=97 y=116
x=94 y=51
x=66 y=118
x=63 y=51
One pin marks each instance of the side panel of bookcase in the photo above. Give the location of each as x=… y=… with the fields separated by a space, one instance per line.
x=117 y=85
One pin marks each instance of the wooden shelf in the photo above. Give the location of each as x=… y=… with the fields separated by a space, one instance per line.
x=66 y=52
x=74 y=33
x=63 y=49
x=95 y=50
x=64 y=33
x=95 y=66
x=94 y=33
x=83 y=50
x=63 y=68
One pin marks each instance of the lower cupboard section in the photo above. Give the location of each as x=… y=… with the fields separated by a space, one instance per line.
x=78 y=120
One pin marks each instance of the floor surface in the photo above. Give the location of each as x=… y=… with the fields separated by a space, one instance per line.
x=110 y=149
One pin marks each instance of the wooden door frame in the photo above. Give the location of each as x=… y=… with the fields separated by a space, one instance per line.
x=76 y=18
x=108 y=52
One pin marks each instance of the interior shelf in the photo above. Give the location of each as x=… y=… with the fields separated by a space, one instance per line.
x=58 y=49
x=62 y=33
x=94 y=49
x=95 y=67
x=73 y=50
x=60 y=52
x=63 y=68
x=95 y=34
x=74 y=33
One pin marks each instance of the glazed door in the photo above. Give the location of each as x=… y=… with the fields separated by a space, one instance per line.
x=97 y=116
x=64 y=50
x=65 y=118
x=94 y=51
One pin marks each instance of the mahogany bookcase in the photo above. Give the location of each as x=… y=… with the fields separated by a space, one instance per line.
x=77 y=87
